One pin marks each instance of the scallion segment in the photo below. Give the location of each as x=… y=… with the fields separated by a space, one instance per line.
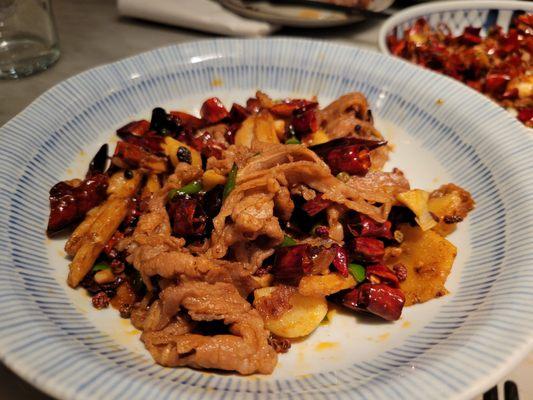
x=292 y=140
x=357 y=271
x=100 y=267
x=288 y=242
x=230 y=183
x=191 y=188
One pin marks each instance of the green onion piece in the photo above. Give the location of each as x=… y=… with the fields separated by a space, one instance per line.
x=357 y=271
x=100 y=267
x=292 y=140
x=288 y=242
x=191 y=188
x=230 y=184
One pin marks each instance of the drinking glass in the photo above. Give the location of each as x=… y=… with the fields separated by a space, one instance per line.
x=28 y=38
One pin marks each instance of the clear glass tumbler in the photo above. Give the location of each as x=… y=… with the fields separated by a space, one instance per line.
x=28 y=38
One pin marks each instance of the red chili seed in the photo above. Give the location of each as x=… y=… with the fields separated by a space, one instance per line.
x=401 y=272
x=100 y=300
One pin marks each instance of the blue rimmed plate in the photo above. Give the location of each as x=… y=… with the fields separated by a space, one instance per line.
x=452 y=347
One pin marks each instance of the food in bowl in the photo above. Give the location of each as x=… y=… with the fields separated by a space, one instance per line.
x=499 y=65
x=225 y=236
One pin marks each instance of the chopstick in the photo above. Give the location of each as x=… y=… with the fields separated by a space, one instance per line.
x=510 y=392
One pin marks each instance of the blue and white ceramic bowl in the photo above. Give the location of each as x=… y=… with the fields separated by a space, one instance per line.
x=457 y=15
x=452 y=347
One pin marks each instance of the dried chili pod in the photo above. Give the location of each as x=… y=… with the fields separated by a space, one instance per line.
x=362 y=225
x=213 y=111
x=188 y=121
x=238 y=113
x=369 y=250
x=350 y=155
x=316 y=205
x=304 y=121
x=187 y=216
x=136 y=128
x=291 y=263
x=378 y=299
x=150 y=142
x=69 y=203
x=99 y=162
x=340 y=262
x=379 y=273
x=288 y=107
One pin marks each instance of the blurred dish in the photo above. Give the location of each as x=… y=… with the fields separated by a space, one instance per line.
x=486 y=45
x=299 y=15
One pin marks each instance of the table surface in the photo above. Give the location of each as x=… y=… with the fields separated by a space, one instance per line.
x=91 y=33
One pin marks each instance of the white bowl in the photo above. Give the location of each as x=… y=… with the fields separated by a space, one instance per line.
x=453 y=347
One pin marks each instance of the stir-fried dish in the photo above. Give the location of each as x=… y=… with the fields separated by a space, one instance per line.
x=224 y=237
x=499 y=65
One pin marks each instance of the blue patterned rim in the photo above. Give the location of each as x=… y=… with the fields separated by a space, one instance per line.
x=479 y=334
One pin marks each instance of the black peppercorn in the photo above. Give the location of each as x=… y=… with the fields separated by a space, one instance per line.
x=184 y=155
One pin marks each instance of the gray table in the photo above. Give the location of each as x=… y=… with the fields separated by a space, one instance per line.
x=91 y=33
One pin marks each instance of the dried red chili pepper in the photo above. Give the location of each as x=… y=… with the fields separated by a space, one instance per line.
x=188 y=121
x=379 y=299
x=253 y=105
x=350 y=155
x=526 y=116
x=69 y=204
x=291 y=263
x=285 y=109
x=510 y=43
x=314 y=206
x=136 y=128
x=213 y=111
x=471 y=36
x=368 y=250
x=496 y=83
x=340 y=262
x=149 y=142
x=206 y=144
x=363 y=225
x=238 y=113
x=379 y=273
x=131 y=154
x=304 y=121
x=187 y=216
